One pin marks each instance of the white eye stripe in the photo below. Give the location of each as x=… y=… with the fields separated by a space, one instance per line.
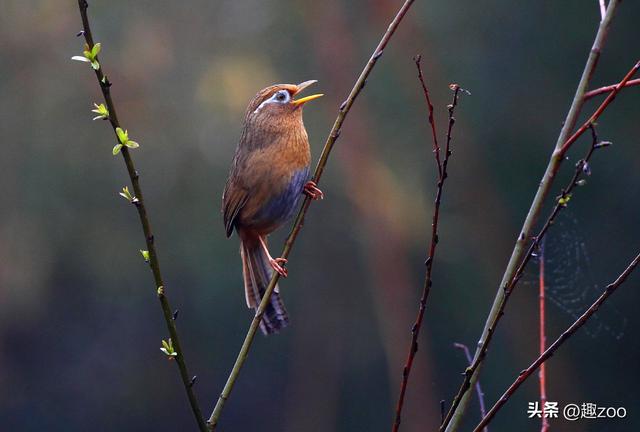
x=281 y=97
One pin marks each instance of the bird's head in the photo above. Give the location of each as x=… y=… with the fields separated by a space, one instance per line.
x=277 y=103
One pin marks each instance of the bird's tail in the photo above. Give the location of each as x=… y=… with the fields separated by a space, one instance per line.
x=257 y=274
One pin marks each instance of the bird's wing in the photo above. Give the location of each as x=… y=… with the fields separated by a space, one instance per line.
x=233 y=199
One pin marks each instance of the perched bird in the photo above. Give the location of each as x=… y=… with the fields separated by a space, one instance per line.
x=269 y=174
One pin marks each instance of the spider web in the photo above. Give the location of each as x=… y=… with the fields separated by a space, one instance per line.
x=570 y=285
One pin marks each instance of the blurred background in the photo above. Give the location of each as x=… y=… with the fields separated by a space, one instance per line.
x=80 y=326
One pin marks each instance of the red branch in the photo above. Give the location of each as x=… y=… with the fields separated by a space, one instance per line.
x=606 y=89
x=600 y=110
x=542 y=374
x=442 y=175
x=610 y=289
x=434 y=135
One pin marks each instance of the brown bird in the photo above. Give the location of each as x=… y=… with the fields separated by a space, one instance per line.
x=269 y=174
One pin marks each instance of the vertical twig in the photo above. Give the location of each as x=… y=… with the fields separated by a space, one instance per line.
x=297 y=225
x=434 y=136
x=542 y=373
x=603 y=9
x=105 y=87
x=483 y=410
x=454 y=416
x=610 y=289
x=442 y=175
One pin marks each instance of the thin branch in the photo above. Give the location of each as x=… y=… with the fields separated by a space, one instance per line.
x=479 y=392
x=297 y=225
x=455 y=414
x=442 y=176
x=606 y=89
x=603 y=9
x=105 y=87
x=542 y=374
x=594 y=117
x=610 y=289
x=434 y=135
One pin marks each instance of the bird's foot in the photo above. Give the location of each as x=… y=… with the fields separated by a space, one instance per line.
x=312 y=191
x=277 y=265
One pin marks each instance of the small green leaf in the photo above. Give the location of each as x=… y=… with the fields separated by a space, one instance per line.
x=116 y=149
x=126 y=194
x=145 y=255
x=95 y=65
x=167 y=348
x=132 y=144
x=564 y=200
x=87 y=54
x=96 y=49
x=101 y=110
x=123 y=136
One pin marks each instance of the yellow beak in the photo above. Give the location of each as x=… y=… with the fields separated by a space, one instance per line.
x=305 y=99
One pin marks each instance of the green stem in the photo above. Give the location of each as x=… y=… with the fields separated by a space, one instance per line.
x=454 y=416
x=105 y=86
x=331 y=139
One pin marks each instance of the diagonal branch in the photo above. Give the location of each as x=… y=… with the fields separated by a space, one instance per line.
x=479 y=393
x=455 y=413
x=297 y=225
x=594 y=117
x=442 y=176
x=610 y=289
x=606 y=89
x=105 y=87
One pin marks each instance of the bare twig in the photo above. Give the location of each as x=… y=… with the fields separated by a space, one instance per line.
x=442 y=175
x=603 y=9
x=467 y=354
x=596 y=114
x=606 y=89
x=610 y=289
x=297 y=225
x=542 y=374
x=105 y=87
x=434 y=135
x=455 y=413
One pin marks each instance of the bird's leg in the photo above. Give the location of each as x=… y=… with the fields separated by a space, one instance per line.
x=311 y=189
x=276 y=263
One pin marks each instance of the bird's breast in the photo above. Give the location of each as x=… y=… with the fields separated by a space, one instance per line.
x=275 y=174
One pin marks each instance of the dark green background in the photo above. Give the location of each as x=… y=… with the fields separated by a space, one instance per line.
x=80 y=327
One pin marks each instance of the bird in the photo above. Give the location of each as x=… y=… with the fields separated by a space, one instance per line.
x=268 y=176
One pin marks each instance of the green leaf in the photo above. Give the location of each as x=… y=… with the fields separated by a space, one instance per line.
x=132 y=144
x=123 y=136
x=96 y=49
x=564 y=200
x=167 y=348
x=145 y=255
x=101 y=110
x=116 y=149
x=126 y=194
x=95 y=65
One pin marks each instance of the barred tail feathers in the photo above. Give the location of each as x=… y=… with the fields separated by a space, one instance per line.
x=256 y=272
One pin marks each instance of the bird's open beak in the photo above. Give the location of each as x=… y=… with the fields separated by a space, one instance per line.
x=302 y=86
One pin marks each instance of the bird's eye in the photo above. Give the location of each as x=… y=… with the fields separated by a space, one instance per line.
x=282 y=96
